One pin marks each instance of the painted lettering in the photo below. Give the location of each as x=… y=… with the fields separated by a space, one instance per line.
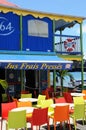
x=11 y=66
x=6 y=27
x=45 y=66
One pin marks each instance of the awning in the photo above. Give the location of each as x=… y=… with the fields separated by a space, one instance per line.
x=26 y=61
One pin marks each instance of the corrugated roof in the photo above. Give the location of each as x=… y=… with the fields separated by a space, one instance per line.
x=53 y=16
x=5 y=2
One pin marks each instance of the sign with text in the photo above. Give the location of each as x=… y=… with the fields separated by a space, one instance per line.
x=36 y=66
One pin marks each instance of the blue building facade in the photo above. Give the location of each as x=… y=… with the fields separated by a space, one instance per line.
x=32 y=45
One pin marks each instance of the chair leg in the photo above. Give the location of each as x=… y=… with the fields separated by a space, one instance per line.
x=1 y=123
x=54 y=125
x=61 y=125
x=48 y=126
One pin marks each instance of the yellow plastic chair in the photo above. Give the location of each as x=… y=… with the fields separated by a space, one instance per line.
x=40 y=98
x=29 y=95
x=16 y=119
x=79 y=113
x=48 y=103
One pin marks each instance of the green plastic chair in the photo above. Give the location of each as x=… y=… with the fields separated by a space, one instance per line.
x=48 y=103
x=17 y=119
x=4 y=97
x=29 y=95
x=79 y=113
x=78 y=100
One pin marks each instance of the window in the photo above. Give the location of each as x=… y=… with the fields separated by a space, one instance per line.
x=37 y=28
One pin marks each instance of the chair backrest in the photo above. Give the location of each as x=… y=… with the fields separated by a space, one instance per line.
x=17 y=119
x=78 y=100
x=24 y=92
x=47 y=103
x=40 y=98
x=40 y=116
x=29 y=95
x=45 y=92
x=4 y=98
x=24 y=104
x=6 y=107
x=61 y=113
x=79 y=111
x=68 y=97
x=15 y=100
x=60 y=100
x=84 y=92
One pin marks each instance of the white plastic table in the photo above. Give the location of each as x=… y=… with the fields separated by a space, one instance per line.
x=28 y=99
x=77 y=94
x=71 y=105
x=28 y=109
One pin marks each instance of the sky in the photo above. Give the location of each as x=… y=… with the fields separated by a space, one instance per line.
x=65 y=7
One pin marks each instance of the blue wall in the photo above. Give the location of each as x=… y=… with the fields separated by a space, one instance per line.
x=35 y=43
x=9 y=32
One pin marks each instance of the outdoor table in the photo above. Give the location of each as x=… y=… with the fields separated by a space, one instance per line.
x=71 y=105
x=77 y=94
x=28 y=109
x=28 y=99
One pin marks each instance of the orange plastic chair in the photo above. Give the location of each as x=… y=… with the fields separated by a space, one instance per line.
x=39 y=117
x=24 y=104
x=5 y=108
x=84 y=92
x=68 y=97
x=61 y=114
x=60 y=100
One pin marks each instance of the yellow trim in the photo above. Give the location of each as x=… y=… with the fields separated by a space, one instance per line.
x=71 y=57
x=36 y=14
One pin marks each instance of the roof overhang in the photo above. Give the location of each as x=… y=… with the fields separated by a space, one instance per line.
x=53 y=16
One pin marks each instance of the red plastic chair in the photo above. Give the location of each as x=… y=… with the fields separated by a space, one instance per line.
x=60 y=100
x=39 y=117
x=5 y=108
x=24 y=92
x=68 y=97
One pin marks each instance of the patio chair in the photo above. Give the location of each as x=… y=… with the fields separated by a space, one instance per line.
x=60 y=100
x=6 y=107
x=24 y=104
x=84 y=92
x=24 y=92
x=16 y=119
x=39 y=117
x=78 y=100
x=79 y=113
x=29 y=95
x=68 y=97
x=40 y=99
x=48 y=103
x=61 y=114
